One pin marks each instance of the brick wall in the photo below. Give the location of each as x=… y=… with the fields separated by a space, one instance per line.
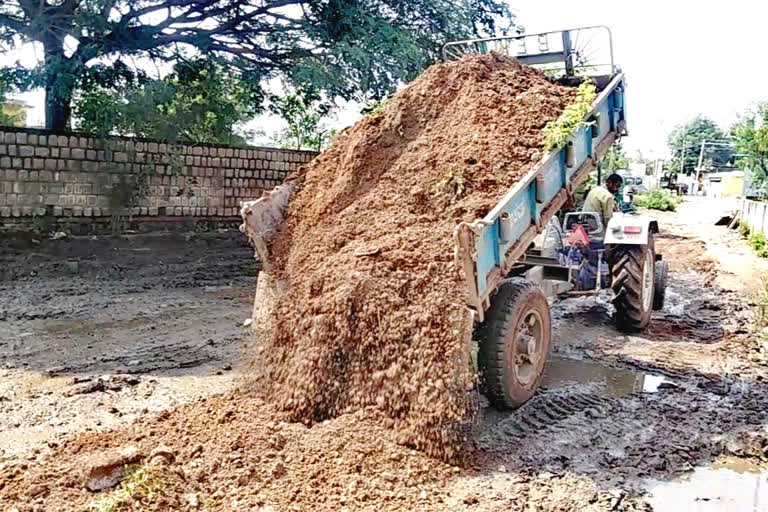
x=82 y=179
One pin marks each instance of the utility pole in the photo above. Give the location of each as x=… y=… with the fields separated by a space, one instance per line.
x=682 y=160
x=698 y=167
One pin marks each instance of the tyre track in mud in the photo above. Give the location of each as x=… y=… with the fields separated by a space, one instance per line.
x=547 y=412
x=712 y=402
x=590 y=444
x=620 y=441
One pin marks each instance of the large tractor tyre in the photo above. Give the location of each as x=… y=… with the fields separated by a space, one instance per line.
x=514 y=343
x=660 y=285
x=632 y=280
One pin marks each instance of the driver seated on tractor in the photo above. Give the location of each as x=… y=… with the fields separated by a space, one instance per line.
x=600 y=199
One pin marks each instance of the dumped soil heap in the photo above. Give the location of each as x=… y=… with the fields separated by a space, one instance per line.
x=374 y=315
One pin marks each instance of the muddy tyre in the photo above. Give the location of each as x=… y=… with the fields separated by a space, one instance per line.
x=660 y=285
x=514 y=343
x=632 y=280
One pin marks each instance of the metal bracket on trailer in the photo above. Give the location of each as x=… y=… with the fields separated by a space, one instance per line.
x=570 y=47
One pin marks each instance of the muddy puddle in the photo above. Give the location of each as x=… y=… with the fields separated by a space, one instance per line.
x=602 y=379
x=570 y=380
x=729 y=485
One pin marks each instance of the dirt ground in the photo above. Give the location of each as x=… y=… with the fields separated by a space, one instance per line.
x=137 y=341
x=98 y=331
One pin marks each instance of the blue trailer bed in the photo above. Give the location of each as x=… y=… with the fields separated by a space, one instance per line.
x=487 y=248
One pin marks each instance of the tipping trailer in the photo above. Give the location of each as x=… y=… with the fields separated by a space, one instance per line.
x=507 y=275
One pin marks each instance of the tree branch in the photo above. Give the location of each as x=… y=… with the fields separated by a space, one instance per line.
x=148 y=37
x=14 y=24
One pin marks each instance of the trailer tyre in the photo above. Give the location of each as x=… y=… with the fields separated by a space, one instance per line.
x=660 y=285
x=514 y=343
x=632 y=280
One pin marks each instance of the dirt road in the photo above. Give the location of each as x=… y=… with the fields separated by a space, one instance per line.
x=671 y=419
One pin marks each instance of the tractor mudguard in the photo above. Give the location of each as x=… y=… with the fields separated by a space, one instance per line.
x=630 y=229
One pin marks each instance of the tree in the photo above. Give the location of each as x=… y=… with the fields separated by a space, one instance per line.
x=199 y=102
x=349 y=48
x=615 y=158
x=685 y=143
x=750 y=137
x=303 y=111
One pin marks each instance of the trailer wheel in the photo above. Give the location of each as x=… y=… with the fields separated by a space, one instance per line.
x=632 y=280
x=514 y=343
x=660 y=285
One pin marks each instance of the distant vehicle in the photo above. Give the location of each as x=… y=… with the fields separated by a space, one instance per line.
x=635 y=184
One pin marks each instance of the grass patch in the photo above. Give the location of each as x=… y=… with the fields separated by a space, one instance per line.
x=758 y=242
x=658 y=199
x=140 y=484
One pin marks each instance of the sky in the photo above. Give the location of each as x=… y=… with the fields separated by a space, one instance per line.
x=681 y=58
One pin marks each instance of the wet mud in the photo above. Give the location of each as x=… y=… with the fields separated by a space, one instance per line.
x=96 y=332
x=651 y=414
x=672 y=418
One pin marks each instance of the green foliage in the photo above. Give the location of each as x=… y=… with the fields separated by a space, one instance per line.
x=685 y=144
x=615 y=158
x=303 y=111
x=376 y=108
x=44 y=225
x=750 y=136
x=658 y=199
x=757 y=239
x=351 y=49
x=139 y=485
x=744 y=230
x=199 y=102
x=557 y=132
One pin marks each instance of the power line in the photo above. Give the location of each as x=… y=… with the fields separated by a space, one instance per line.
x=698 y=144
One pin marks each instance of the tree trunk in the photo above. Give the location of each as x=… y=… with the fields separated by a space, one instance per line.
x=59 y=86
x=57 y=108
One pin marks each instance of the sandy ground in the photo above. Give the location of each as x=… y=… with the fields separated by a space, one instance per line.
x=99 y=337
x=95 y=332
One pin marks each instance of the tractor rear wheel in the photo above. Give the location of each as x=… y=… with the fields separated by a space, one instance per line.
x=514 y=343
x=632 y=280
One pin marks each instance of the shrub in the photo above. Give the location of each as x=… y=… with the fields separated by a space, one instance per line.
x=760 y=299
x=658 y=199
x=744 y=230
x=759 y=244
